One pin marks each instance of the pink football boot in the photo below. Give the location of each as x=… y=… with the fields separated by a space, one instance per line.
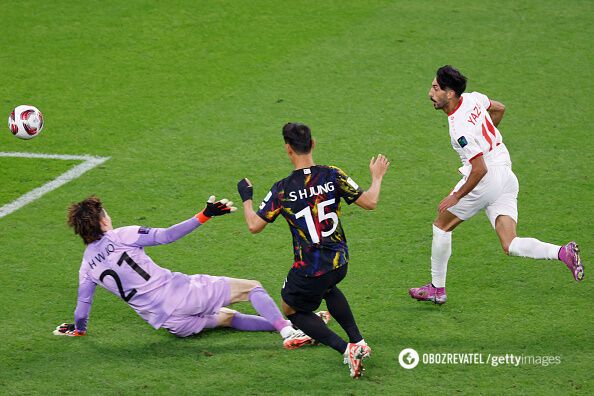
x=429 y=293
x=570 y=255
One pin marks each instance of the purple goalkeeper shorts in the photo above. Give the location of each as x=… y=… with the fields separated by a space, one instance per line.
x=206 y=296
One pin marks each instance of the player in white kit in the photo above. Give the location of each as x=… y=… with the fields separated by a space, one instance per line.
x=487 y=183
x=183 y=304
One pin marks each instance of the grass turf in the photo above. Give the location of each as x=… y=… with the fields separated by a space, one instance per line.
x=187 y=98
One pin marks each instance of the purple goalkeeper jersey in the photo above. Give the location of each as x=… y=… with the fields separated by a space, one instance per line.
x=118 y=263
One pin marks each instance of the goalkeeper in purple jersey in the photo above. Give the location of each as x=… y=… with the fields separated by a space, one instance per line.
x=309 y=200
x=183 y=304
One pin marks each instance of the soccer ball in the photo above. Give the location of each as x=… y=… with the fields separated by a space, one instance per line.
x=25 y=122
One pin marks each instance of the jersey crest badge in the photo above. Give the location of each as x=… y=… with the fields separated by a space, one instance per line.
x=462 y=141
x=143 y=230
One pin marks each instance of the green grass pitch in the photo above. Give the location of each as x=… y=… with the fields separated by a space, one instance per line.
x=187 y=97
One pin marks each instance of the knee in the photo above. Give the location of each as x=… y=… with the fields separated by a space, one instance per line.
x=225 y=318
x=249 y=286
x=441 y=225
x=254 y=284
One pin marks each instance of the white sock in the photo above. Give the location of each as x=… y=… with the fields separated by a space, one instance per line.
x=533 y=248
x=286 y=331
x=441 y=250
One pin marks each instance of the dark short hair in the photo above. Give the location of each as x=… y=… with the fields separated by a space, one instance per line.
x=450 y=77
x=298 y=136
x=84 y=217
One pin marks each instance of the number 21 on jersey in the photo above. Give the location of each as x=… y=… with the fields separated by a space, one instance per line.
x=109 y=272
x=322 y=215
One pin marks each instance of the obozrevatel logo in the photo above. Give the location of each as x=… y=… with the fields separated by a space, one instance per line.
x=408 y=358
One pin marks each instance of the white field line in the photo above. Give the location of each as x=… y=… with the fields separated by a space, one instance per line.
x=89 y=163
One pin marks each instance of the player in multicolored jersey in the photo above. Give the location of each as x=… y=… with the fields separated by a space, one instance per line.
x=183 y=304
x=487 y=183
x=309 y=199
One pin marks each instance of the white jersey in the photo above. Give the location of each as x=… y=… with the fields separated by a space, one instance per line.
x=473 y=133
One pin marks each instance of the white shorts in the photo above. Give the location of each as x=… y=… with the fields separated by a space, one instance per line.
x=497 y=193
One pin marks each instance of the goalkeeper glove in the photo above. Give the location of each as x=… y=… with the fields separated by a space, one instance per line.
x=217 y=208
x=245 y=189
x=67 y=329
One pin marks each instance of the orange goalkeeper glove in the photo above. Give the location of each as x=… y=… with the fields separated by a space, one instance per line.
x=218 y=208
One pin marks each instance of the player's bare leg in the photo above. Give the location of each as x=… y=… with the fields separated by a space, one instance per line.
x=252 y=291
x=441 y=250
x=447 y=221
x=225 y=317
x=512 y=245
x=241 y=288
x=505 y=227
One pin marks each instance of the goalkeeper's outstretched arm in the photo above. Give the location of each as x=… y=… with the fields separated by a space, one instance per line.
x=160 y=236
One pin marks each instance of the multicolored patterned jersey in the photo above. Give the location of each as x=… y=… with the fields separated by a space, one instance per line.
x=309 y=199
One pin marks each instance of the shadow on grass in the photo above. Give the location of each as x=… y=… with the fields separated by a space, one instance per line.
x=207 y=344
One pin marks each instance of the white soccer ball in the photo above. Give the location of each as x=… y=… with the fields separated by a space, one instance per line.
x=25 y=122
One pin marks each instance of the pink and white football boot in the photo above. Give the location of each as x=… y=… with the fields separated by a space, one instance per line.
x=429 y=293
x=570 y=255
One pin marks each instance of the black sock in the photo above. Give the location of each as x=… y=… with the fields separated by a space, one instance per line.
x=339 y=308
x=314 y=326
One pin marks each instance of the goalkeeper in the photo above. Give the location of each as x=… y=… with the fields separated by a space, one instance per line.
x=183 y=304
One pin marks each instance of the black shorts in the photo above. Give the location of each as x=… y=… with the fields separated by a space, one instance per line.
x=306 y=293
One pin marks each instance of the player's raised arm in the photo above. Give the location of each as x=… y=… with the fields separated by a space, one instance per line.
x=496 y=111
x=378 y=168
x=254 y=222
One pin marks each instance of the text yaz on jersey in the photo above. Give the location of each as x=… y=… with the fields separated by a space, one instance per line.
x=474 y=115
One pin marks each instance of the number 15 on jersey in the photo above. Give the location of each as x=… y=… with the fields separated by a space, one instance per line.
x=322 y=216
